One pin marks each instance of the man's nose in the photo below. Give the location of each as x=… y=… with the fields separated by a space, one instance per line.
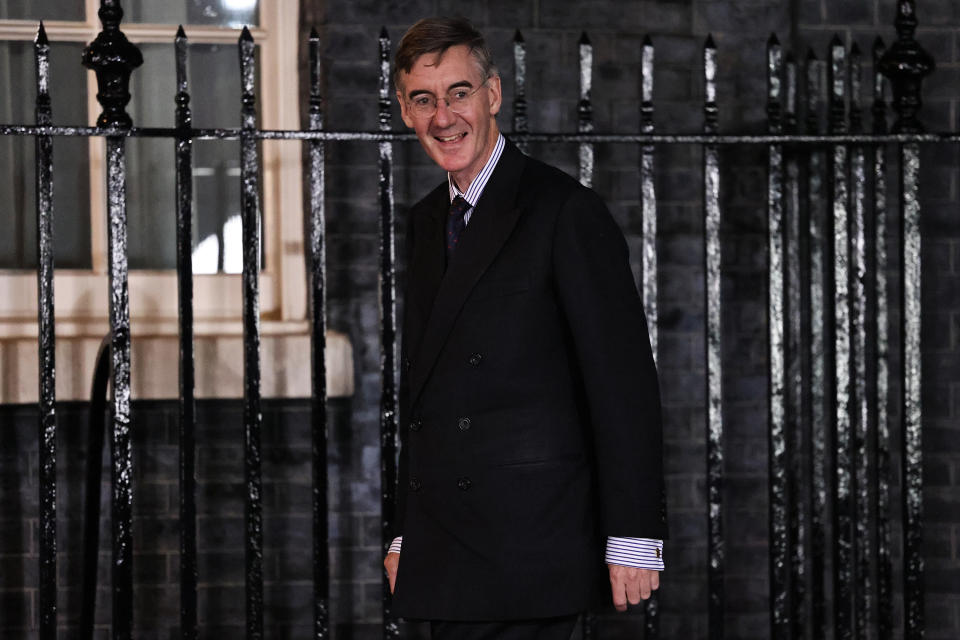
x=444 y=116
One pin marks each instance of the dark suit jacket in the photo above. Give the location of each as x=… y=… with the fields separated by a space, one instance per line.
x=529 y=393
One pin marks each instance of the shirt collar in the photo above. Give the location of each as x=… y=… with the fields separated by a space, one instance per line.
x=476 y=187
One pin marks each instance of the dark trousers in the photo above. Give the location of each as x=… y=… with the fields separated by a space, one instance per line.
x=539 y=629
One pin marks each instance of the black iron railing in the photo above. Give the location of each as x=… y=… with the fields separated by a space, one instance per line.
x=817 y=205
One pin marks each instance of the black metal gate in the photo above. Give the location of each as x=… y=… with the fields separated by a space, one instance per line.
x=821 y=186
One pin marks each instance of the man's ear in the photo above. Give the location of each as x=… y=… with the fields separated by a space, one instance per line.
x=496 y=95
x=404 y=113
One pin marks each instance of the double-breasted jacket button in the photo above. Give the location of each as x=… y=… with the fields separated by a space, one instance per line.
x=406 y=364
x=416 y=425
x=415 y=484
x=464 y=424
x=475 y=359
x=464 y=483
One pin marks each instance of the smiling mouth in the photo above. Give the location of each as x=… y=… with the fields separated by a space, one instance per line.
x=453 y=138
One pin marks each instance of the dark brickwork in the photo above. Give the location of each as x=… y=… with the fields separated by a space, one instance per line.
x=288 y=579
x=349 y=34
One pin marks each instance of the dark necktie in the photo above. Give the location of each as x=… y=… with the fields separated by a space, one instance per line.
x=456 y=223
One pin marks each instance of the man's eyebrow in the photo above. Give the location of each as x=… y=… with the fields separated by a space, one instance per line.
x=456 y=85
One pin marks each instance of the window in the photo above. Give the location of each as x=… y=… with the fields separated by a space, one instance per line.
x=213 y=28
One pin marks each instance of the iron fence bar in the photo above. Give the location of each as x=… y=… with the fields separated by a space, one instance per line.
x=858 y=311
x=585 y=110
x=388 y=332
x=113 y=58
x=840 y=269
x=318 y=316
x=91 y=510
x=120 y=450
x=777 y=437
x=520 y=122
x=793 y=370
x=648 y=214
x=47 y=592
x=187 y=408
x=648 y=195
x=906 y=63
x=912 y=453
x=404 y=136
x=252 y=415
x=882 y=363
x=716 y=554
x=819 y=380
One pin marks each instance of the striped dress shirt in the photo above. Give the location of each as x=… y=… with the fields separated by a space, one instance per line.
x=645 y=553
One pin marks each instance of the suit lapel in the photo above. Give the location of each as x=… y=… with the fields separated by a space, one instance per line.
x=428 y=259
x=491 y=223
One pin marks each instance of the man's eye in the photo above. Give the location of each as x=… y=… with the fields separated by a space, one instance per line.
x=422 y=101
x=459 y=94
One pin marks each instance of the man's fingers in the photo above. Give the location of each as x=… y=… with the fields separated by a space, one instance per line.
x=391 y=563
x=635 y=587
x=619 y=595
x=645 y=587
x=631 y=585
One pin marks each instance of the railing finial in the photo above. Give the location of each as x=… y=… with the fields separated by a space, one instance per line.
x=906 y=63
x=113 y=58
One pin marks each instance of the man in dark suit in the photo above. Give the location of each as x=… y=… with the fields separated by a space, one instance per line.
x=531 y=443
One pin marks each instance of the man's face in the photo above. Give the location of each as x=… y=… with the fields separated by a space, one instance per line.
x=459 y=142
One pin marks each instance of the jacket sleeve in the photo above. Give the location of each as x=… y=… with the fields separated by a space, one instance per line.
x=605 y=316
x=403 y=473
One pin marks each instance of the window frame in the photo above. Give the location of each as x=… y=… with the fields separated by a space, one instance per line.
x=82 y=294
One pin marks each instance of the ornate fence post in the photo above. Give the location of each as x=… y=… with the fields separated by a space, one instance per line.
x=112 y=57
x=906 y=63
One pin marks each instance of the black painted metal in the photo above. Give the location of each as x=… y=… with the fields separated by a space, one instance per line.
x=585 y=110
x=252 y=415
x=793 y=369
x=91 y=509
x=911 y=429
x=838 y=230
x=648 y=212
x=113 y=58
x=882 y=445
x=388 y=330
x=863 y=583
x=648 y=195
x=520 y=122
x=187 y=409
x=906 y=63
x=799 y=140
x=318 y=326
x=777 y=435
x=819 y=389
x=716 y=554
x=47 y=436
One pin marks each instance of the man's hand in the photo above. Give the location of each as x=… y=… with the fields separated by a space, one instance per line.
x=628 y=584
x=390 y=563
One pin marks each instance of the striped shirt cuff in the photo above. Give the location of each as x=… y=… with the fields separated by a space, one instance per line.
x=643 y=553
x=395 y=545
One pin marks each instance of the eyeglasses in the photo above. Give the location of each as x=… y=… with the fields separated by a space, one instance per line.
x=424 y=105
